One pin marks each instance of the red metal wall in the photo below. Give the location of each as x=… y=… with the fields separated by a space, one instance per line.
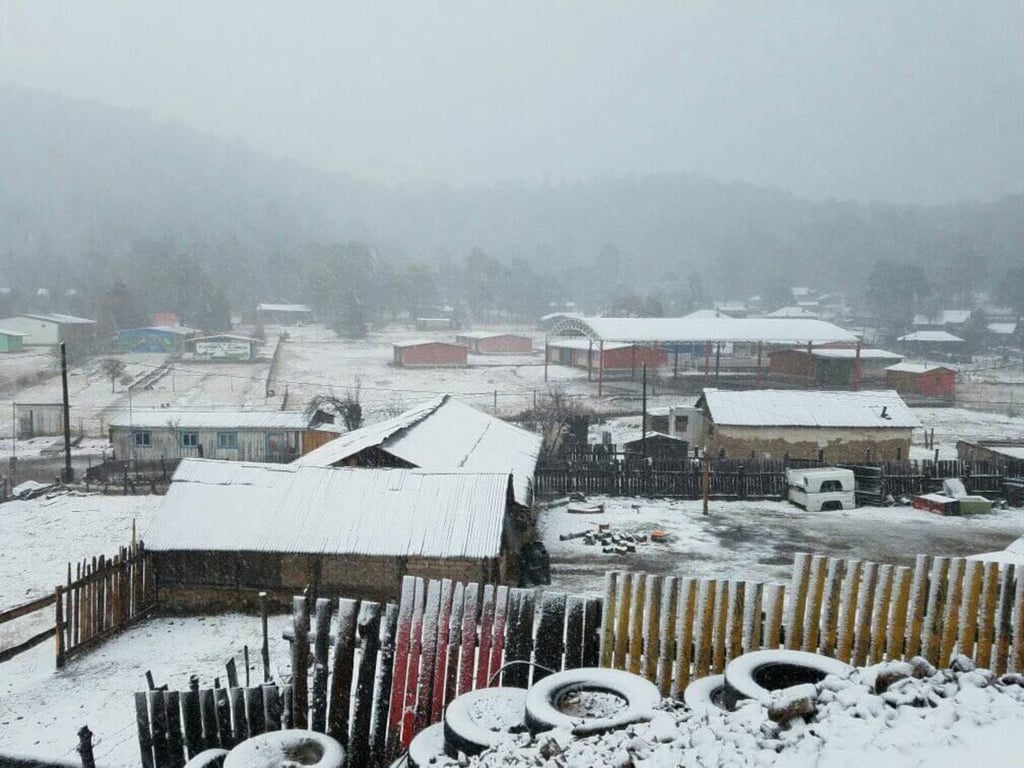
x=939 y=383
x=431 y=353
x=624 y=358
x=504 y=345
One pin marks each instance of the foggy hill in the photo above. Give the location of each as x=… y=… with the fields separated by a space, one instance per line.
x=89 y=193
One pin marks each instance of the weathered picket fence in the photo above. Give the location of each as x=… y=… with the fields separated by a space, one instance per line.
x=102 y=596
x=736 y=482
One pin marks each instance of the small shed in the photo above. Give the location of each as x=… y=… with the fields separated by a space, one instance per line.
x=487 y=343
x=928 y=343
x=271 y=436
x=583 y=353
x=52 y=329
x=831 y=366
x=225 y=531
x=283 y=314
x=434 y=323
x=39 y=419
x=808 y=424
x=659 y=446
x=11 y=341
x=919 y=379
x=224 y=346
x=163 y=339
x=429 y=353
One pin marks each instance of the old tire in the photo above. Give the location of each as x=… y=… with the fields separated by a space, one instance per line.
x=754 y=675
x=481 y=719
x=543 y=699
x=427 y=749
x=208 y=758
x=705 y=692
x=293 y=747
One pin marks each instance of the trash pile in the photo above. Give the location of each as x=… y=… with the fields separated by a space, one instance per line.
x=614 y=542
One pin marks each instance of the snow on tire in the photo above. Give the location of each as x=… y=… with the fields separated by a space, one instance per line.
x=705 y=692
x=427 y=749
x=591 y=699
x=754 y=675
x=480 y=719
x=208 y=758
x=292 y=747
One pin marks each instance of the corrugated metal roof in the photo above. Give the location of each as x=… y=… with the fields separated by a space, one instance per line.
x=929 y=336
x=577 y=343
x=283 y=308
x=422 y=342
x=60 y=319
x=793 y=312
x=800 y=408
x=487 y=335
x=242 y=507
x=232 y=336
x=1003 y=329
x=7 y=332
x=945 y=317
x=444 y=434
x=917 y=368
x=184 y=419
x=691 y=329
x=851 y=354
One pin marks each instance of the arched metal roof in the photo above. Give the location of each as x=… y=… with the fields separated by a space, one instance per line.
x=654 y=330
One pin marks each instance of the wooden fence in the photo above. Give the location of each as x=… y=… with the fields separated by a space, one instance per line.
x=103 y=596
x=675 y=629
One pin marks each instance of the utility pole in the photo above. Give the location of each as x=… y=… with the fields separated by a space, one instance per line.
x=643 y=418
x=69 y=473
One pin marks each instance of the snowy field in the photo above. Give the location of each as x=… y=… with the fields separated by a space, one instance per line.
x=757 y=540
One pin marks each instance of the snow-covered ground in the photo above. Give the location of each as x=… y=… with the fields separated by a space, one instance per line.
x=756 y=540
x=41 y=709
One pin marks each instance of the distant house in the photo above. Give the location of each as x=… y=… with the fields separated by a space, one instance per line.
x=952 y=320
x=50 y=330
x=434 y=323
x=283 y=314
x=487 y=343
x=1002 y=333
x=11 y=341
x=617 y=355
x=831 y=366
x=225 y=531
x=685 y=420
x=224 y=346
x=917 y=379
x=835 y=426
x=39 y=419
x=658 y=445
x=170 y=340
x=731 y=308
x=440 y=434
x=271 y=436
x=795 y=312
x=429 y=353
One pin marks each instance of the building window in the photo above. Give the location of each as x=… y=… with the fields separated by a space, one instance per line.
x=189 y=439
x=142 y=439
x=227 y=439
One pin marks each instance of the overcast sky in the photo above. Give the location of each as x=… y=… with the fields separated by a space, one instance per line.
x=867 y=99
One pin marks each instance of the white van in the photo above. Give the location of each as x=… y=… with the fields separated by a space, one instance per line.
x=826 y=488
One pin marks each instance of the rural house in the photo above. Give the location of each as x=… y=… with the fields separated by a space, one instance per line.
x=440 y=434
x=684 y=421
x=929 y=343
x=226 y=530
x=487 y=343
x=165 y=433
x=283 y=314
x=936 y=381
x=50 y=330
x=833 y=426
x=429 y=354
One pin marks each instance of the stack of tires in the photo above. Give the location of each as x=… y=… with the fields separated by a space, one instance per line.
x=757 y=674
x=292 y=748
x=585 y=700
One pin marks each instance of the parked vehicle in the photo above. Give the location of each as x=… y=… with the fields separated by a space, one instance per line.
x=825 y=488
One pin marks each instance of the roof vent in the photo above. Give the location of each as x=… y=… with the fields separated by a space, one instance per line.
x=885 y=412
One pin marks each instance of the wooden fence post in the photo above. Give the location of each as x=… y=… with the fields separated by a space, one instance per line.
x=59 y=628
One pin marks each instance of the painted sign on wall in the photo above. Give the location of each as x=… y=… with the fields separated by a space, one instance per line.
x=224 y=350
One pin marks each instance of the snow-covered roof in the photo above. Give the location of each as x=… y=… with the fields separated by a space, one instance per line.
x=186 y=419
x=6 y=332
x=443 y=434
x=304 y=308
x=698 y=329
x=230 y=336
x=421 y=342
x=793 y=312
x=941 y=336
x=945 y=317
x=553 y=315
x=487 y=335
x=917 y=368
x=707 y=313
x=1002 y=329
x=54 y=317
x=730 y=306
x=802 y=408
x=850 y=354
x=243 y=507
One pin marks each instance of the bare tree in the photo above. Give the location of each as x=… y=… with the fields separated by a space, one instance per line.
x=348 y=407
x=113 y=369
x=554 y=416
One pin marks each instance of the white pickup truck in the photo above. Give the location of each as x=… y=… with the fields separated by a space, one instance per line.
x=826 y=488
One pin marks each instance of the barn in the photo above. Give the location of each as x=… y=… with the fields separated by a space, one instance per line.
x=440 y=434
x=807 y=424
x=271 y=436
x=937 y=381
x=831 y=366
x=53 y=329
x=429 y=353
x=168 y=340
x=227 y=530
x=487 y=343
x=583 y=353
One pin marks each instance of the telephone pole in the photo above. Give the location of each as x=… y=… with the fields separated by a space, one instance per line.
x=69 y=473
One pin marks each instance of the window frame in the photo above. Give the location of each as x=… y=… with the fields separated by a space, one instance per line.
x=142 y=438
x=185 y=434
x=227 y=441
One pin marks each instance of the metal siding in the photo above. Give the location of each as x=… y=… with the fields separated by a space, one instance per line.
x=773 y=330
